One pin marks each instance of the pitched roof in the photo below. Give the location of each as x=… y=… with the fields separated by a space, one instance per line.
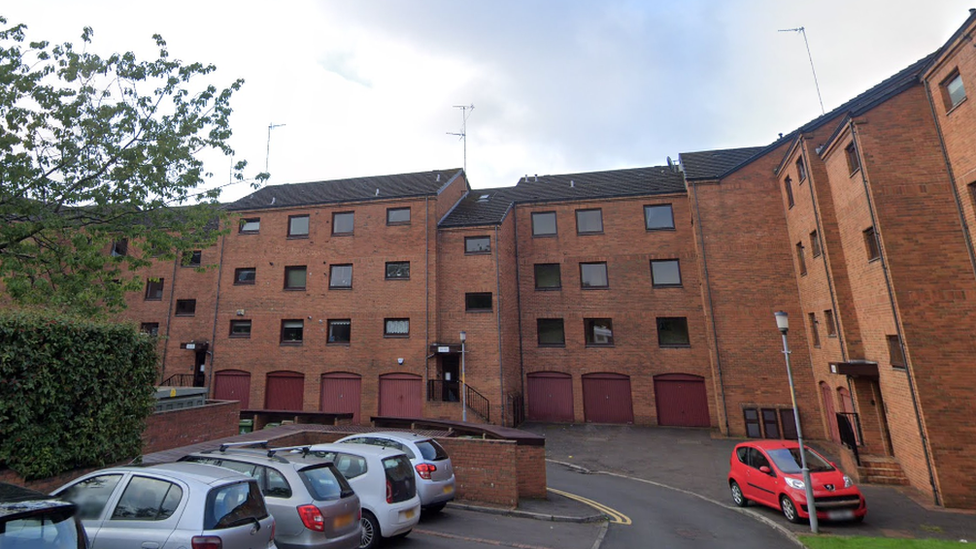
x=380 y=187
x=712 y=164
x=481 y=207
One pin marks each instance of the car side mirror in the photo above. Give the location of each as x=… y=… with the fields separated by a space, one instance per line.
x=765 y=469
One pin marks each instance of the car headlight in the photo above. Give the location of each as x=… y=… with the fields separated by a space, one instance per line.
x=848 y=482
x=794 y=483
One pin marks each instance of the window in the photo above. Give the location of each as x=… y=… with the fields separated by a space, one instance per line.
x=871 y=244
x=800 y=260
x=477 y=244
x=398 y=270
x=589 y=221
x=297 y=226
x=788 y=185
x=154 y=289
x=853 y=162
x=599 y=331
x=186 y=307
x=594 y=275
x=151 y=328
x=972 y=193
x=895 y=353
x=148 y=499
x=801 y=169
x=91 y=495
x=250 y=226
x=398 y=216
x=396 y=327
x=120 y=248
x=240 y=328
x=296 y=277
x=245 y=275
x=658 y=217
x=551 y=332
x=665 y=273
x=547 y=276
x=192 y=258
x=477 y=301
x=544 y=224
x=673 y=332
x=953 y=92
x=340 y=331
x=292 y=332
x=770 y=422
x=829 y=321
x=341 y=277
x=815 y=244
x=343 y=223
x=753 y=429
x=814 y=331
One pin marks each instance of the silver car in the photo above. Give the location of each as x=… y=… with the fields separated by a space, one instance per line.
x=171 y=506
x=432 y=465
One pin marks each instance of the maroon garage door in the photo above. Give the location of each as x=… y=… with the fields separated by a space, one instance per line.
x=606 y=398
x=233 y=385
x=401 y=395
x=550 y=396
x=681 y=400
x=340 y=394
x=284 y=391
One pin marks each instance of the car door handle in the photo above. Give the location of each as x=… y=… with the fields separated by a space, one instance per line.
x=150 y=545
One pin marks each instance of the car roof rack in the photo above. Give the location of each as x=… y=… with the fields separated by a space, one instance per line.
x=227 y=445
x=305 y=448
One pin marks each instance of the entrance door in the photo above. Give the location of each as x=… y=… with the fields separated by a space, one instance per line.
x=200 y=369
x=681 y=400
x=450 y=378
x=828 y=398
x=401 y=395
x=606 y=398
x=550 y=396
x=341 y=393
x=233 y=385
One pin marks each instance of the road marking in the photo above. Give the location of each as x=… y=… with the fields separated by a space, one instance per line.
x=483 y=541
x=616 y=517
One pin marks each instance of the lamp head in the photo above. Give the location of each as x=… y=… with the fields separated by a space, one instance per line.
x=782 y=321
x=464 y=336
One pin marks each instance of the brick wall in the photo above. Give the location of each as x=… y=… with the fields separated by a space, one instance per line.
x=176 y=428
x=485 y=470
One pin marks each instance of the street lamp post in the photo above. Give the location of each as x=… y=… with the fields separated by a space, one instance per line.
x=783 y=323
x=464 y=388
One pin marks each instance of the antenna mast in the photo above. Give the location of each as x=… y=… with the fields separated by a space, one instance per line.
x=267 y=154
x=465 y=113
x=803 y=31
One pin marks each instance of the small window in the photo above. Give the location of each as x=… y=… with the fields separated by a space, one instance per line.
x=665 y=273
x=551 y=332
x=594 y=275
x=340 y=277
x=292 y=332
x=753 y=430
x=871 y=244
x=151 y=328
x=186 y=307
x=829 y=321
x=244 y=276
x=340 y=331
x=240 y=328
x=953 y=92
x=547 y=276
x=788 y=185
x=770 y=421
x=853 y=162
x=477 y=244
x=599 y=331
x=895 y=353
x=589 y=221
x=801 y=169
x=396 y=327
x=296 y=277
x=788 y=421
x=544 y=224
x=673 y=332
x=658 y=217
x=398 y=216
x=120 y=248
x=233 y=504
x=275 y=484
x=972 y=193
x=251 y=225
x=814 y=330
x=800 y=259
x=298 y=226
x=815 y=244
x=398 y=270
x=192 y=258
x=154 y=289
x=148 y=499
x=477 y=301
x=343 y=223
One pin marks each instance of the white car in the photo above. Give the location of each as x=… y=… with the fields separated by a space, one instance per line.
x=432 y=465
x=386 y=486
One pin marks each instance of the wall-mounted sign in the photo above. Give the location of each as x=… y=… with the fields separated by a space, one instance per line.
x=444 y=349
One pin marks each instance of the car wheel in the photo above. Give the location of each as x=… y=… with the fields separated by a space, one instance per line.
x=789 y=509
x=371 y=532
x=435 y=508
x=737 y=498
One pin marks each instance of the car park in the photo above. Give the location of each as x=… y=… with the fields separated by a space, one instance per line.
x=313 y=505
x=768 y=472
x=171 y=506
x=386 y=485
x=431 y=463
x=33 y=520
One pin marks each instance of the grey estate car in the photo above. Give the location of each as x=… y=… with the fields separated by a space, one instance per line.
x=313 y=505
x=171 y=506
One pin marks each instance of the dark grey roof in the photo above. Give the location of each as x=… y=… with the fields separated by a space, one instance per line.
x=712 y=164
x=481 y=207
x=379 y=187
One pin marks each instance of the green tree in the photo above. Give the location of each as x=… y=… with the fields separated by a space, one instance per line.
x=96 y=150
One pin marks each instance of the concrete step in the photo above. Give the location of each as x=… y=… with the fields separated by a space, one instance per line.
x=889 y=480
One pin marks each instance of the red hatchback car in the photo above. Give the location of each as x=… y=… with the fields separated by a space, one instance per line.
x=768 y=472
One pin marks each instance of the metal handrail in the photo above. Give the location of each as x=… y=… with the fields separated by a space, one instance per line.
x=178 y=380
x=478 y=403
x=439 y=390
x=849 y=427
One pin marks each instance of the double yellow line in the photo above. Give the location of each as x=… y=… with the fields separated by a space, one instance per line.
x=615 y=516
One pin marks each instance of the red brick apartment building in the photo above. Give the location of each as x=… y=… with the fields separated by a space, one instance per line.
x=628 y=296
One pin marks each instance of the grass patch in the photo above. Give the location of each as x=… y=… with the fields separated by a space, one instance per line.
x=836 y=542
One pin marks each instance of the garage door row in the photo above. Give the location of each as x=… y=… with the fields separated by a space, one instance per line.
x=400 y=394
x=680 y=399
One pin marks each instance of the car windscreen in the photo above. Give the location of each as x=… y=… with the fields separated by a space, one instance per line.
x=325 y=482
x=401 y=483
x=45 y=529
x=232 y=505
x=787 y=460
x=431 y=450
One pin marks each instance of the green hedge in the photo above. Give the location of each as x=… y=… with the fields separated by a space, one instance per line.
x=73 y=393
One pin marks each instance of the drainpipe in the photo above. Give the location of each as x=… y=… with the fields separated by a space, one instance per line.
x=518 y=302
x=894 y=312
x=427 y=290
x=213 y=338
x=498 y=317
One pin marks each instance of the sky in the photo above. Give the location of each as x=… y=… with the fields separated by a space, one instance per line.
x=370 y=87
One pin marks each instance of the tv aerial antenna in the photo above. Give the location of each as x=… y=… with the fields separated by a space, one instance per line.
x=803 y=31
x=465 y=113
x=267 y=154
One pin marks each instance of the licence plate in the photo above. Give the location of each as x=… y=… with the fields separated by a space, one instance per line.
x=408 y=514
x=448 y=489
x=840 y=515
x=342 y=521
